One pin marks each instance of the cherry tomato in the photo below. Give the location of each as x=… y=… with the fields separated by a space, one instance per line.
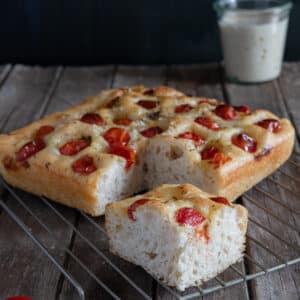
x=132 y=208
x=151 y=132
x=117 y=136
x=92 y=118
x=244 y=142
x=207 y=122
x=74 y=147
x=147 y=104
x=198 y=140
x=84 y=165
x=270 y=124
x=125 y=152
x=189 y=216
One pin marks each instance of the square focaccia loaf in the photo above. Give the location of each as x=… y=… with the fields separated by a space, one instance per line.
x=178 y=233
x=129 y=139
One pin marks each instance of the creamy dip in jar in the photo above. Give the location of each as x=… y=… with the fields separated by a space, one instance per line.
x=253 y=35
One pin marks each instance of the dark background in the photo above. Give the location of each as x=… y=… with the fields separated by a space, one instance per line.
x=116 y=31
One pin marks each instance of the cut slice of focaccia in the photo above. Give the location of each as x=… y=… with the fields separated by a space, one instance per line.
x=178 y=233
x=129 y=139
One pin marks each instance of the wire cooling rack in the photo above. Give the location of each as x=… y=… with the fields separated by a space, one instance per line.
x=274 y=203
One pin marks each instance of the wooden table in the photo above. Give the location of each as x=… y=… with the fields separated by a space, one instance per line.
x=28 y=93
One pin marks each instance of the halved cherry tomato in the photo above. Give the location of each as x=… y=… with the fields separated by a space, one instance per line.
x=147 y=104
x=125 y=152
x=151 y=132
x=84 y=165
x=207 y=122
x=243 y=108
x=38 y=144
x=117 y=136
x=43 y=131
x=92 y=118
x=183 y=108
x=132 y=208
x=272 y=125
x=30 y=149
x=220 y=200
x=225 y=112
x=244 y=142
x=189 y=216
x=198 y=140
x=209 y=152
x=74 y=147
x=124 y=121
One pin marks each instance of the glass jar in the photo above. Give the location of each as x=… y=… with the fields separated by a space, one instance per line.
x=253 y=35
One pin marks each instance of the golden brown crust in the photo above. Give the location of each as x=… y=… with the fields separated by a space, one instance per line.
x=168 y=198
x=49 y=173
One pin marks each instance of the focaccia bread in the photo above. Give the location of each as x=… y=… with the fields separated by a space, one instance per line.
x=128 y=139
x=178 y=233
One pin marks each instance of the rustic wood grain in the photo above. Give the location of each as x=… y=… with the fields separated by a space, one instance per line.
x=283 y=284
x=27 y=270
x=289 y=83
x=4 y=72
x=124 y=76
x=204 y=80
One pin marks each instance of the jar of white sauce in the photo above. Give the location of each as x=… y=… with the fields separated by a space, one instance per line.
x=253 y=35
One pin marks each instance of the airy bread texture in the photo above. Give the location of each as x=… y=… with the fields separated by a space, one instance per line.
x=165 y=157
x=181 y=255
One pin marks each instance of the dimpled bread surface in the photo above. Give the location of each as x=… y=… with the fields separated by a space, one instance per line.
x=162 y=136
x=178 y=233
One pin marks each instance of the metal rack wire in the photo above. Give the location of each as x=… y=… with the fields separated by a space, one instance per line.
x=273 y=189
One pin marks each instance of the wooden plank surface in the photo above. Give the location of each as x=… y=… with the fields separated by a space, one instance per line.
x=27 y=93
x=20 y=260
x=283 y=284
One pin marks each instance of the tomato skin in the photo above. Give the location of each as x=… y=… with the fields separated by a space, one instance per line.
x=208 y=123
x=220 y=200
x=117 y=136
x=245 y=142
x=209 y=152
x=271 y=125
x=132 y=208
x=147 y=104
x=189 y=216
x=225 y=112
x=183 y=108
x=243 y=109
x=32 y=147
x=73 y=147
x=84 y=165
x=124 y=122
x=43 y=131
x=196 y=138
x=92 y=118
x=151 y=131
x=125 y=152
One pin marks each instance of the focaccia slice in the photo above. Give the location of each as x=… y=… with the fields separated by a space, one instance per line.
x=178 y=233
